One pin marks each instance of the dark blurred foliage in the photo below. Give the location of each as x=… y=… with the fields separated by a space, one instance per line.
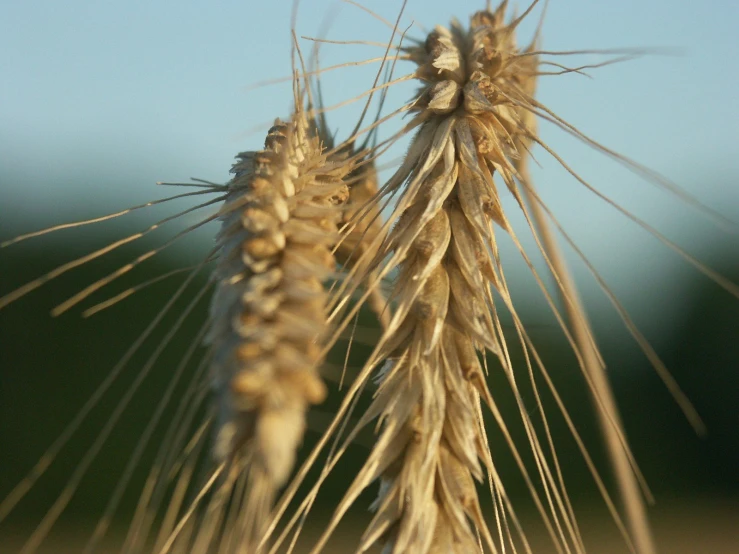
x=50 y=367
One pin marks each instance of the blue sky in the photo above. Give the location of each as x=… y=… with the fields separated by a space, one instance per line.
x=101 y=99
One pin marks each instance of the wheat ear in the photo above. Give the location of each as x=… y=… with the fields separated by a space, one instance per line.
x=268 y=313
x=433 y=445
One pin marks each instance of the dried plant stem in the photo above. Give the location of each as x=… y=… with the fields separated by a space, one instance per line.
x=604 y=401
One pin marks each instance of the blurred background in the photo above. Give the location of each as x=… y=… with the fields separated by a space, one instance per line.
x=99 y=101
